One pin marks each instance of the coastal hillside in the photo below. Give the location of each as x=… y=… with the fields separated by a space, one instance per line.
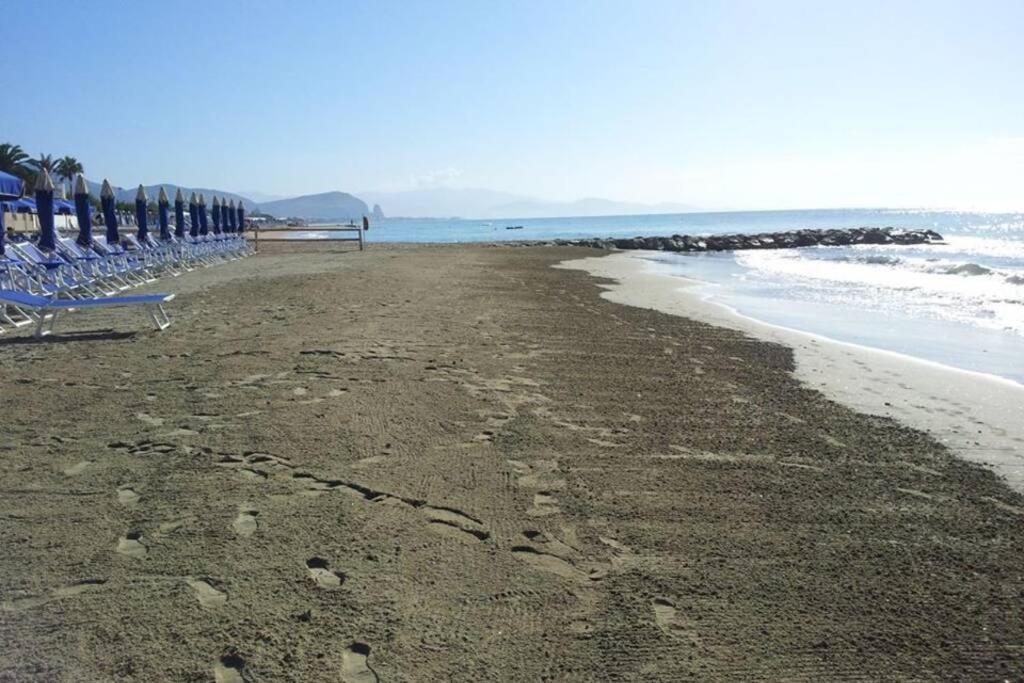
x=127 y=194
x=323 y=206
x=445 y=202
x=441 y=202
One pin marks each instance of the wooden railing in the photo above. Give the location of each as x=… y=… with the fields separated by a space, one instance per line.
x=261 y=234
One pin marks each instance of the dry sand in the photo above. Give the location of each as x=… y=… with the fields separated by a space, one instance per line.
x=460 y=463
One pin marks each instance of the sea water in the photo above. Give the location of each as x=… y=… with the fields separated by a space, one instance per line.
x=960 y=303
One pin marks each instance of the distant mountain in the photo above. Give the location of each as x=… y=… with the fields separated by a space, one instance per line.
x=442 y=202
x=127 y=194
x=328 y=206
x=261 y=197
x=480 y=203
x=590 y=206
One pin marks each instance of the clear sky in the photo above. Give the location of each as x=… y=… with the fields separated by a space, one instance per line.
x=718 y=104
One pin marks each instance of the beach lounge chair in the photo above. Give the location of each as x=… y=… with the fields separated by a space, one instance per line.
x=47 y=309
x=130 y=267
x=13 y=276
x=102 y=269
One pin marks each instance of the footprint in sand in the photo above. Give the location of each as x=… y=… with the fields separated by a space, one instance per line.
x=664 y=614
x=131 y=546
x=252 y=474
x=543 y=504
x=75 y=470
x=455 y=524
x=149 y=419
x=300 y=391
x=230 y=669
x=547 y=562
x=355 y=665
x=127 y=496
x=321 y=575
x=245 y=523
x=79 y=587
x=540 y=474
x=173 y=525
x=668 y=619
x=207 y=595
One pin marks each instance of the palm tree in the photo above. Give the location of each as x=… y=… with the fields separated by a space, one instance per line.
x=67 y=168
x=12 y=159
x=45 y=161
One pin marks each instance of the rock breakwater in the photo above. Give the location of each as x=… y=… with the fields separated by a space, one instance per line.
x=766 y=240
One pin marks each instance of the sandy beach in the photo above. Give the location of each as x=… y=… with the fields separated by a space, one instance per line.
x=463 y=463
x=977 y=416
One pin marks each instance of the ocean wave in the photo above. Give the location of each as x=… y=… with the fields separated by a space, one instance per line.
x=966 y=269
x=918 y=285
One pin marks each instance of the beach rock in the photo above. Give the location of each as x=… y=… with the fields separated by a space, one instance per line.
x=836 y=237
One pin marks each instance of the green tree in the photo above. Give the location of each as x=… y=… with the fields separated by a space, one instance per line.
x=67 y=168
x=13 y=160
x=44 y=162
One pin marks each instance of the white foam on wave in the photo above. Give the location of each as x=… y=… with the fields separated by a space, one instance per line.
x=977 y=281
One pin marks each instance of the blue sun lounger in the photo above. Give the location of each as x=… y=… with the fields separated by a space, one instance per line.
x=47 y=309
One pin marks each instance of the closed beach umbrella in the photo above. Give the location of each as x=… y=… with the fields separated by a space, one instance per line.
x=179 y=215
x=215 y=213
x=109 y=213
x=204 y=227
x=44 y=206
x=232 y=217
x=224 y=213
x=193 y=212
x=228 y=208
x=83 y=211
x=241 y=217
x=163 y=207
x=140 y=213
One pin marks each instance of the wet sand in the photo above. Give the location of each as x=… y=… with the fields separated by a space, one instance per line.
x=461 y=463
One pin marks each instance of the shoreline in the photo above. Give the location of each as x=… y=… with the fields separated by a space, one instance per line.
x=969 y=412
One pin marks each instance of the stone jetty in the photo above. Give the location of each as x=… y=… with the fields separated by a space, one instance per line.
x=768 y=240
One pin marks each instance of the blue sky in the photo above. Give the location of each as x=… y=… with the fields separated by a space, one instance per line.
x=754 y=104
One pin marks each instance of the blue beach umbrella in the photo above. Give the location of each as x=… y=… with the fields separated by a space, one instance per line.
x=11 y=186
x=163 y=205
x=141 y=200
x=241 y=217
x=224 y=213
x=225 y=223
x=232 y=216
x=60 y=203
x=204 y=227
x=193 y=212
x=227 y=208
x=24 y=205
x=109 y=213
x=44 y=205
x=83 y=211
x=215 y=213
x=179 y=215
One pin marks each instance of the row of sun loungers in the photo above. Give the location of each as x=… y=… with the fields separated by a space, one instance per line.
x=37 y=285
